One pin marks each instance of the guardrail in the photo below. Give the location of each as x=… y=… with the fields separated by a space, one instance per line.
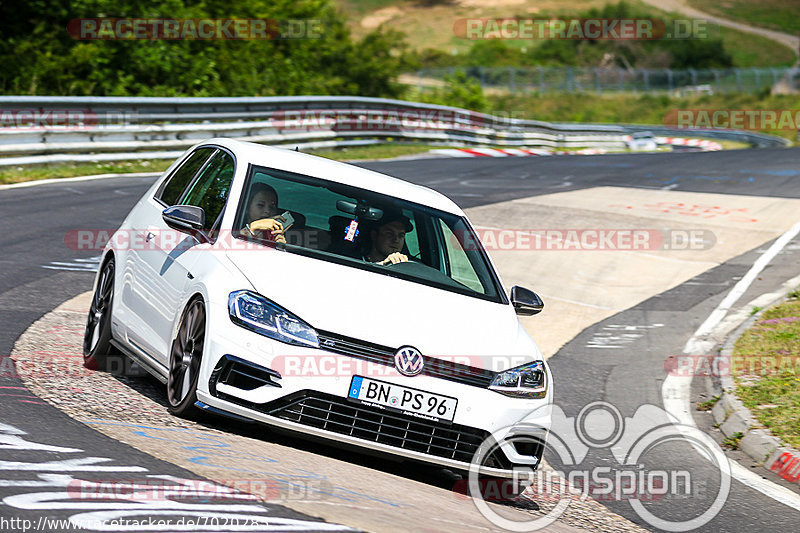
x=51 y=129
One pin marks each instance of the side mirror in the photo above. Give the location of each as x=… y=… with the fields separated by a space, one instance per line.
x=185 y=218
x=525 y=302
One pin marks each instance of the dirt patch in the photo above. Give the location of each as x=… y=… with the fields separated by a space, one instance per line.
x=376 y=18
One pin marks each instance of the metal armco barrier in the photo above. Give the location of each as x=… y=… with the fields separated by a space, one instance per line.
x=50 y=129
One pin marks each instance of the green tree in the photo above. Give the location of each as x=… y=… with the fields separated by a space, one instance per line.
x=40 y=57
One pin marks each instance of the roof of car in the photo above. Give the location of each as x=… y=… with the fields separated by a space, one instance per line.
x=320 y=167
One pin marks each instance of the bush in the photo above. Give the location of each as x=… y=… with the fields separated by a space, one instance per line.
x=460 y=90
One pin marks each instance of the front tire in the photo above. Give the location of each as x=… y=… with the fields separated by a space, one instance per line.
x=184 y=362
x=97 y=336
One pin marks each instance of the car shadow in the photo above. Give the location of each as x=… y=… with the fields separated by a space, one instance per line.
x=141 y=382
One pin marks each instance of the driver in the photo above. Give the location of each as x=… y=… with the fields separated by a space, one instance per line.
x=388 y=240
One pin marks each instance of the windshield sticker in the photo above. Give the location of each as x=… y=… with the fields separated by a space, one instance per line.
x=352 y=231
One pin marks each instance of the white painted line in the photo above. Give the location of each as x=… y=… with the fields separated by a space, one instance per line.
x=696 y=345
x=764 y=486
x=676 y=391
x=491 y=152
x=72 y=269
x=79 y=178
x=676 y=394
x=452 y=152
x=515 y=152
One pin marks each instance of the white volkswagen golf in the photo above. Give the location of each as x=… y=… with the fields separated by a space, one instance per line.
x=324 y=299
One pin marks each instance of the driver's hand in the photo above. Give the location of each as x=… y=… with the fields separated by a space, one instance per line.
x=394 y=258
x=273 y=225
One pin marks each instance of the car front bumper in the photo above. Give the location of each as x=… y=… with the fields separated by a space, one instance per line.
x=305 y=390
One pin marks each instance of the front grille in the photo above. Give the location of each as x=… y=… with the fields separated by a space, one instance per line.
x=439 y=368
x=338 y=415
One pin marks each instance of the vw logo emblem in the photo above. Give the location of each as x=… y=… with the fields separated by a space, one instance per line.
x=408 y=361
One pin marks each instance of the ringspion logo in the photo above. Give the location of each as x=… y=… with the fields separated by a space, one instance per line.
x=625 y=464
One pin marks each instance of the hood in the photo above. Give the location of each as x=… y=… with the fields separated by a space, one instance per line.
x=385 y=310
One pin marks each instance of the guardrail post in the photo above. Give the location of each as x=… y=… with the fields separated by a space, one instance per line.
x=738 y=80
x=646 y=76
x=511 y=78
x=670 y=81
x=597 y=81
x=693 y=73
x=716 y=74
x=541 y=79
x=758 y=80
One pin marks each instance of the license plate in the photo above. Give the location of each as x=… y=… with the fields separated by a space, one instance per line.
x=405 y=400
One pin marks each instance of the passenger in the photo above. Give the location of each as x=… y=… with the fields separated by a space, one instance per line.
x=388 y=241
x=262 y=210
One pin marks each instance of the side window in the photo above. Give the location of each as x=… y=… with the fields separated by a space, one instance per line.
x=210 y=190
x=172 y=189
x=461 y=269
x=412 y=238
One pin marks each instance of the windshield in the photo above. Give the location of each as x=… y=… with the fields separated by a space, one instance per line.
x=366 y=230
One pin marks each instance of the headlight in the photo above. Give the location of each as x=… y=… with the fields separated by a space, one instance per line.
x=254 y=312
x=526 y=381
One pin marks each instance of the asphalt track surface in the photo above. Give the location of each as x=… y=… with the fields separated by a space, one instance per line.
x=34 y=221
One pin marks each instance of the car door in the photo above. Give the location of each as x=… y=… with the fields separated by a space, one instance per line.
x=163 y=271
x=143 y=222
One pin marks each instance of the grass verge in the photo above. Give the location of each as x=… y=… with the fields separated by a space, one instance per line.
x=70 y=170
x=19 y=174
x=766 y=364
x=771 y=14
x=750 y=50
x=377 y=151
